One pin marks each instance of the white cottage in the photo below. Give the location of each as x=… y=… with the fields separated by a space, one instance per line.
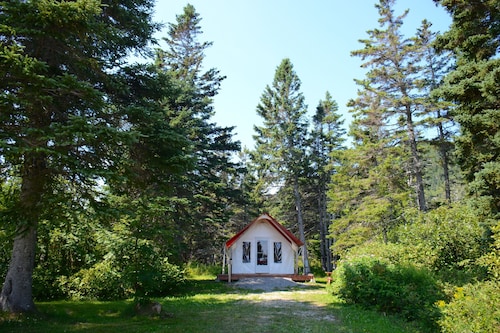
x=264 y=246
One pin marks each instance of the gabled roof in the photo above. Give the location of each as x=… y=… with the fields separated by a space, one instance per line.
x=275 y=224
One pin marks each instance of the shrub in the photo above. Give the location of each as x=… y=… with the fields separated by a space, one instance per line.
x=102 y=281
x=446 y=240
x=474 y=308
x=5 y=252
x=118 y=279
x=393 y=253
x=146 y=271
x=160 y=279
x=390 y=288
x=46 y=285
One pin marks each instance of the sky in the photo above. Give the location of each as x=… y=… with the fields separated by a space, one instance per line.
x=251 y=38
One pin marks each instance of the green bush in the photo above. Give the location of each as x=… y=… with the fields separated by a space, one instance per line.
x=145 y=271
x=474 y=308
x=102 y=281
x=46 y=285
x=5 y=252
x=446 y=240
x=391 y=253
x=390 y=288
x=160 y=279
x=118 y=279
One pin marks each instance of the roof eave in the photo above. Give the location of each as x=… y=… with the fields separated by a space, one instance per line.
x=276 y=225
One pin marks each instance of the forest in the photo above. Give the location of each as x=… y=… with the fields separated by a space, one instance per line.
x=115 y=177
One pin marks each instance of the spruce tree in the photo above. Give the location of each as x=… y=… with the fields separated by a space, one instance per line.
x=473 y=87
x=203 y=196
x=62 y=64
x=392 y=62
x=434 y=66
x=280 y=148
x=368 y=189
x=327 y=139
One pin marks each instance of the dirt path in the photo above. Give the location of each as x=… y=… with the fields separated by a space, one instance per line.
x=282 y=296
x=295 y=303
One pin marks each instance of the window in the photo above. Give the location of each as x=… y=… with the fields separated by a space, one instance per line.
x=277 y=252
x=246 y=252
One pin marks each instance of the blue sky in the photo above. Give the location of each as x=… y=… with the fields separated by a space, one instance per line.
x=251 y=37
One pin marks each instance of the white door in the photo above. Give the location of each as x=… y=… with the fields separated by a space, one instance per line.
x=262 y=262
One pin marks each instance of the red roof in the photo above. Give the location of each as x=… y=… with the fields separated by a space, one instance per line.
x=266 y=217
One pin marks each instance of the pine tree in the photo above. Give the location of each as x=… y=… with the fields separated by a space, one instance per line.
x=434 y=67
x=368 y=189
x=473 y=87
x=327 y=139
x=280 y=143
x=392 y=61
x=206 y=192
x=250 y=204
x=61 y=64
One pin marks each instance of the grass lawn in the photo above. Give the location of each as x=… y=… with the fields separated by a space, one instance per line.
x=209 y=306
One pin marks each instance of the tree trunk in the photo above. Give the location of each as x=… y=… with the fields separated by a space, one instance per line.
x=446 y=172
x=443 y=151
x=325 y=243
x=17 y=290
x=17 y=295
x=300 y=222
x=321 y=227
x=328 y=245
x=416 y=162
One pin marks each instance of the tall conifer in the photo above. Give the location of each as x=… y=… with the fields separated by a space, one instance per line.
x=202 y=197
x=61 y=65
x=393 y=66
x=368 y=189
x=437 y=111
x=474 y=38
x=327 y=140
x=280 y=149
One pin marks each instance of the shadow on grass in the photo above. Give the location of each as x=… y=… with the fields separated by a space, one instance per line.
x=210 y=306
x=296 y=310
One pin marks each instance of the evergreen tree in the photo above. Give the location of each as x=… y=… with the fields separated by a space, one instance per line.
x=434 y=67
x=393 y=71
x=327 y=138
x=368 y=190
x=473 y=87
x=62 y=64
x=251 y=204
x=204 y=195
x=280 y=151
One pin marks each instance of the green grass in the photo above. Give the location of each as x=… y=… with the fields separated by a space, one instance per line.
x=208 y=306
